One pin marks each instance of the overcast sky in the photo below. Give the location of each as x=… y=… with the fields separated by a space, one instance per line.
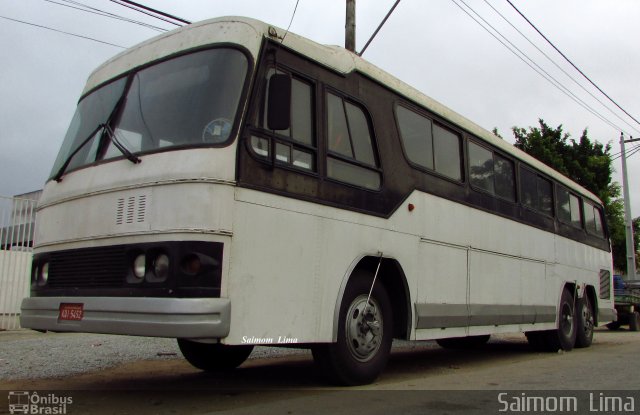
x=432 y=45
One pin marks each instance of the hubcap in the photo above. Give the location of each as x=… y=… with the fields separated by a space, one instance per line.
x=587 y=319
x=566 y=324
x=364 y=328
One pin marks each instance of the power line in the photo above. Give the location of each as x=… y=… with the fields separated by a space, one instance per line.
x=88 y=9
x=559 y=67
x=290 y=21
x=532 y=64
x=150 y=12
x=161 y=13
x=379 y=27
x=60 y=31
x=572 y=64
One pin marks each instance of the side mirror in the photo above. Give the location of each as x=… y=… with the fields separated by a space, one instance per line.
x=279 y=103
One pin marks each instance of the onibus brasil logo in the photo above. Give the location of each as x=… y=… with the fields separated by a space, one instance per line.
x=22 y=402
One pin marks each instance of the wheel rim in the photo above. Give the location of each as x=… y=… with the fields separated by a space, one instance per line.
x=566 y=323
x=587 y=319
x=364 y=328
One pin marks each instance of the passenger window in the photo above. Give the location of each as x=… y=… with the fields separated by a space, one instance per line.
x=569 y=208
x=295 y=146
x=593 y=219
x=491 y=172
x=429 y=145
x=446 y=149
x=504 y=178
x=415 y=131
x=351 y=157
x=481 y=168
x=536 y=192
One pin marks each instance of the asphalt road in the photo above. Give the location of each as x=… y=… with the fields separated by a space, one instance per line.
x=421 y=378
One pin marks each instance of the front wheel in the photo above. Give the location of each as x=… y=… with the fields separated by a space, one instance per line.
x=214 y=357
x=364 y=338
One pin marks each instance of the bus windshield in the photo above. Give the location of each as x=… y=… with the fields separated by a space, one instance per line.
x=190 y=100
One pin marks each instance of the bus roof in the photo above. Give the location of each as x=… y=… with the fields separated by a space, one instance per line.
x=250 y=33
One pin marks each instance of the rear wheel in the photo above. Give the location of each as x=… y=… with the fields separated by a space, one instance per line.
x=564 y=337
x=364 y=338
x=585 y=322
x=634 y=321
x=469 y=342
x=214 y=357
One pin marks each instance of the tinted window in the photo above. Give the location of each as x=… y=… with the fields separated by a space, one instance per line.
x=504 y=178
x=360 y=134
x=569 y=207
x=339 y=141
x=593 y=220
x=529 y=189
x=446 y=148
x=349 y=137
x=574 y=202
x=545 y=195
x=536 y=192
x=415 y=131
x=301 y=112
x=481 y=168
x=296 y=145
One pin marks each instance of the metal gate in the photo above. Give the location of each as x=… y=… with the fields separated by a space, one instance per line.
x=17 y=226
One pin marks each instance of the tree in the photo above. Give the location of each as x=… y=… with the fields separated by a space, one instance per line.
x=589 y=164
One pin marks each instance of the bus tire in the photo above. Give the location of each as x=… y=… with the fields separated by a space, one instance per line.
x=469 y=342
x=614 y=325
x=584 y=322
x=564 y=337
x=212 y=357
x=364 y=335
x=634 y=321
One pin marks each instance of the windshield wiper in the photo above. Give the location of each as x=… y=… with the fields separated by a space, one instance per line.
x=118 y=144
x=63 y=168
x=111 y=135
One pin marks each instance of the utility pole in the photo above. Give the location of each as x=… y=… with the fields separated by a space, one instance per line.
x=350 y=27
x=628 y=222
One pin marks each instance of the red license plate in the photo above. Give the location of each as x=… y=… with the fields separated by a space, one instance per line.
x=73 y=312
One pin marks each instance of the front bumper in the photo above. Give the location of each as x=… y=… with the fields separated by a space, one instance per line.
x=189 y=318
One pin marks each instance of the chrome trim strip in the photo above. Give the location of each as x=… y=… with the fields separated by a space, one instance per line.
x=430 y=316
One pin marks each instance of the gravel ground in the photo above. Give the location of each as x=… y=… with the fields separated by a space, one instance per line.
x=27 y=354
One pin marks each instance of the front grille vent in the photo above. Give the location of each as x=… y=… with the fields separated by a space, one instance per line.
x=93 y=267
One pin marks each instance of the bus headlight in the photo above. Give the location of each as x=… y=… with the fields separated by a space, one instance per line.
x=161 y=267
x=140 y=266
x=44 y=274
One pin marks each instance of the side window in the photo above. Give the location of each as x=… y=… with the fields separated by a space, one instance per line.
x=429 y=145
x=491 y=172
x=446 y=150
x=481 y=168
x=569 y=207
x=351 y=157
x=536 y=192
x=295 y=146
x=593 y=219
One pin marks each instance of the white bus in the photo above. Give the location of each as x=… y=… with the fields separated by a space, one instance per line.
x=227 y=187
